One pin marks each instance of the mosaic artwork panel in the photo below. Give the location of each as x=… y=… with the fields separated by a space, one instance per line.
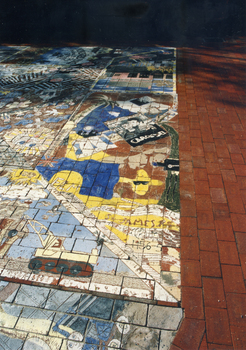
x=140 y=70
x=47 y=319
x=100 y=210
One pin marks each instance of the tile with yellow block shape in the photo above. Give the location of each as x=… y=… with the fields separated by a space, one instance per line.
x=9 y=314
x=35 y=320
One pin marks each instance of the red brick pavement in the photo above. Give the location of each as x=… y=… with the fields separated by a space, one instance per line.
x=211 y=86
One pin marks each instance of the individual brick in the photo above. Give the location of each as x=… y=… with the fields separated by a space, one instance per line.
x=210 y=265
x=215 y=181
x=209 y=147
x=233 y=148
x=237 y=159
x=198 y=161
x=213 y=290
x=200 y=174
x=186 y=166
x=241 y=242
x=211 y=157
x=187 y=192
x=236 y=304
x=189 y=248
x=203 y=202
x=221 y=211
x=224 y=230
x=225 y=164
x=240 y=169
x=192 y=302
x=188 y=208
x=213 y=168
x=190 y=273
x=217 y=326
x=186 y=179
x=207 y=240
x=205 y=220
x=218 y=195
x=188 y=226
x=228 y=253
x=190 y=334
x=238 y=222
x=228 y=175
x=233 y=279
x=202 y=187
x=238 y=337
x=222 y=152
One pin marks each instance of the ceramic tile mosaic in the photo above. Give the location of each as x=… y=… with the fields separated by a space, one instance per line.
x=64 y=320
x=89 y=180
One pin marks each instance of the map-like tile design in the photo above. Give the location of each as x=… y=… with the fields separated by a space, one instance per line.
x=89 y=181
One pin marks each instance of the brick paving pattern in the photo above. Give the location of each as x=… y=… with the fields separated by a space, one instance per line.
x=212 y=132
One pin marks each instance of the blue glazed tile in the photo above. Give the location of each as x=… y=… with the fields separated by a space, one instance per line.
x=46 y=204
x=3 y=180
x=123 y=269
x=30 y=213
x=17 y=242
x=119 y=306
x=103 y=169
x=102 y=179
x=32 y=296
x=98 y=191
x=62 y=208
x=106 y=264
x=67 y=218
x=7 y=343
x=98 y=331
x=62 y=229
x=10 y=309
x=96 y=307
x=88 y=180
x=32 y=240
x=47 y=215
x=84 y=246
x=75 y=323
x=92 y=347
x=68 y=243
x=107 y=252
x=166 y=89
x=83 y=233
x=86 y=190
x=18 y=252
x=63 y=301
x=33 y=313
